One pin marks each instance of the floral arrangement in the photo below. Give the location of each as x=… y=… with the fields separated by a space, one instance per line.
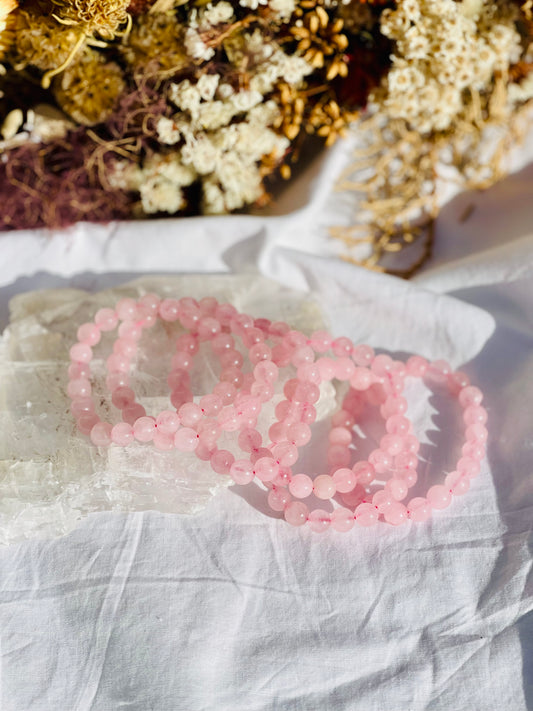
x=120 y=109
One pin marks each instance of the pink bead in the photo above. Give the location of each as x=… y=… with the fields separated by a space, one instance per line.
x=279 y=328
x=283 y=477
x=470 y=396
x=439 y=496
x=178 y=378
x=133 y=412
x=225 y=313
x=126 y=309
x=344 y=480
x=122 y=434
x=226 y=392
x=232 y=375
x=419 y=509
x=179 y=396
x=340 y=435
x=79 y=370
x=252 y=336
x=303 y=355
x=229 y=419
x=416 y=366
x=285 y=453
x=89 y=334
x=87 y=421
x=256 y=454
x=101 y=434
x=409 y=476
x=324 y=487
x=182 y=361
x=476 y=433
x=391 y=444
x=222 y=343
x=381 y=461
x=393 y=405
x=249 y=439
x=186 y=439
x=396 y=514
x=150 y=303
x=361 y=379
x=204 y=452
x=277 y=431
x=144 y=429
x=363 y=355
x=187 y=343
x=122 y=397
x=365 y=472
x=117 y=364
x=338 y=456
x=126 y=347
x=264 y=391
x=457 y=483
x=376 y=395
x=79 y=388
x=163 y=442
x=190 y=414
x=106 y=319
x=382 y=500
x=320 y=341
x=298 y=434
x=208 y=327
x=342 y=418
x=242 y=471
x=266 y=371
x=231 y=359
x=169 y=310
x=366 y=515
x=296 y=513
x=474 y=450
x=326 y=368
x=81 y=353
x=167 y=422
x=208 y=432
x=397 y=488
x=117 y=380
x=405 y=460
x=342 y=520
x=344 y=368
x=82 y=405
x=411 y=444
x=210 y=405
x=355 y=497
x=398 y=424
x=301 y=486
x=208 y=305
x=266 y=468
x=475 y=415
x=189 y=313
x=130 y=330
x=318 y=520
x=222 y=461
x=278 y=499
x=382 y=365
x=259 y=352
x=470 y=467
x=310 y=372
x=457 y=381
x=342 y=346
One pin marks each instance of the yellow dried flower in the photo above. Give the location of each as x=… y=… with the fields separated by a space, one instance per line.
x=6 y=34
x=39 y=42
x=88 y=89
x=156 y=37
x=94 y=17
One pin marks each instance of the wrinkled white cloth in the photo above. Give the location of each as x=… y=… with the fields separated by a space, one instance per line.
x=232 y=609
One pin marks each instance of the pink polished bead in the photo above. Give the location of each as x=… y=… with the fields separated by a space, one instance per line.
x=226 y=392
x=126 y=347
x=101 y=434
x=283 y=477
x=222 y=461
x=241 y=471
x=393 y=405
x=87 y=421
x=144 y=429
x=457 y=381
x=117 y=363
x=354 y=497
x=320 y=341
x=285 y=453
x=396 y=514
x=133 y=412
x=210 y=404
x=223 y=343
x=208 y=327
x=264 y=324
x=126 y=309
x=342 y=418
x=439 y=370
x=130 y=330
x=364 y=471
x=294 y=339
x=264 y=391
x=405 y=460
x=169 y=310
x=338 y=456
x=301 y=486
x=306 y=393
x=361 y=379
x=229 y=419
x=474 y=450
x=232 y=375
x=439 y=496
x=163 y=442
x=391 y=444
x=252 y=336
x=476 y=433
x=382 y=364
x=182 y=361
x=266 y=371
x=326 y=368
x=208 y=305
x=471 y=467
x=344 y=480
x=307 y=413
x=376 y=395
x=398 y=424
x=204 y=452
x=475 y=415
x=340 y=435
x=241 y=323
x=279 y=328
x=363 y=355
x=457 y=483
x=225 y=313
x=411 y=444
x=416 y=366
x=397 y=488
x=82 y=405
x=319 y=520
x=79 y=388
x=81 y=353
x=106 y=319
x=345 y=368
x=122 y=434
x=296 y=513
x=383 y=500
x=89 y=334
x=342 y=346
x=78 y=370
x=208 y=432
x=117 y=380
x=342 y=520
x=366 y=515
x=303 y=355
x=381 y=461
x=122 y=397
x=259 y=352
x=178 y=378
x=150 y=302
x=167 y=422
x=278 y=499
x=324 y=487
x=277 y=432
x=186 y=439
x=281 y=355
x=310 y=372
x=266 y=468
x=190 y=414
x=187 y=343
x=189 y=314
x=409 y=476
x=231 y=359
x=470 y=396
x=249 y=439
x=299 y=434
x=419 y=509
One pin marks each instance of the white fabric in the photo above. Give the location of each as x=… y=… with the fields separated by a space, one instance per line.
x=233 y=609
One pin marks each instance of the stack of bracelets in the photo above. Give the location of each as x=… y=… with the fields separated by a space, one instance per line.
x=237 y=399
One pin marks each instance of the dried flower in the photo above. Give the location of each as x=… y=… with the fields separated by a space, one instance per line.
x=6 y=22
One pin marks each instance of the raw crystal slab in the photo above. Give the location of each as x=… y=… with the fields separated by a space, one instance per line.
x=50 y=475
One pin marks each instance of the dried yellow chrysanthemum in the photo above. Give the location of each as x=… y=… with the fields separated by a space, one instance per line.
x=157 y=38
x=88 y=89
x=6 y=35
x=39 y=42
